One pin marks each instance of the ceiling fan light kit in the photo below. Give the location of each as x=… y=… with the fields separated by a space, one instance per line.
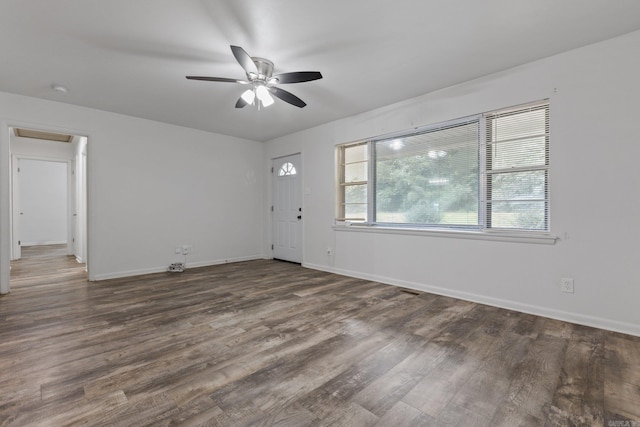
x=259 y=73
x=248 y=96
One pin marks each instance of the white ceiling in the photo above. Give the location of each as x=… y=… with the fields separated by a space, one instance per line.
x=131 y=56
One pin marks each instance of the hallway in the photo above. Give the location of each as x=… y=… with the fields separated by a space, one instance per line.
x=40 y=264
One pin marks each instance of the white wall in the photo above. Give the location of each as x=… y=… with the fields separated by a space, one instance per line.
x=43 y=202
x=595 y=196
x=151 y=186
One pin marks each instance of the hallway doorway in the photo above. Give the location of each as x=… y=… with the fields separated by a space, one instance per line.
x=41 y=247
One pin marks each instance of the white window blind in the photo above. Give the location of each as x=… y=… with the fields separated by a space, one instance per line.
x=353 y=182
x=517 y=168
x=429 y=178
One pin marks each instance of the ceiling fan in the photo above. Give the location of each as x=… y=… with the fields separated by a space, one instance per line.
x=259 y=75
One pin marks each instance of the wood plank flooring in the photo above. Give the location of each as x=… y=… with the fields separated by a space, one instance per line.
x=265 y=343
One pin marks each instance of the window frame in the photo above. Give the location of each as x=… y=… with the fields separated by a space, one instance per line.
x=484 y=174
x=488 y=172
x=287 y=169
x=342 y=184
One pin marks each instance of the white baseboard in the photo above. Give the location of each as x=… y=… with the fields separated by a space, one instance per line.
x=129 y=273
x=51 y=242
x=566 y=316
x=223 y=261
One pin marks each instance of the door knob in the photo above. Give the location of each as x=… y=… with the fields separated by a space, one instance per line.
x=299 y=216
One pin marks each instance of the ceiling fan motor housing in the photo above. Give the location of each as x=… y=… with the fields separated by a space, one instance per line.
x=264 y=66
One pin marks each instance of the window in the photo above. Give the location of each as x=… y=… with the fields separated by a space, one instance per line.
x=287 y=169
x=353 y=181
x=488 y=171
x=428 y=178
x=517 y=150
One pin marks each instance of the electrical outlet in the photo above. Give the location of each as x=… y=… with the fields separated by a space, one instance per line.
x=329 y=251
x=566 y=285
x=187 y=249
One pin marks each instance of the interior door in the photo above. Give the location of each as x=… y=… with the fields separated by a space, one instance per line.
x=43 y=202
x=287 y=208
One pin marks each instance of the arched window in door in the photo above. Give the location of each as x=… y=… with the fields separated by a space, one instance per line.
x=287 y=169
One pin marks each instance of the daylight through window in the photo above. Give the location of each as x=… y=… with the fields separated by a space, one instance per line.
x=354 y=173
x=488 y=171
x=428 y=178
x=517 y=150
x=287 y=169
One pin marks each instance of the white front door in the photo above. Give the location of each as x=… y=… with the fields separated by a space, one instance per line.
x=287 y=208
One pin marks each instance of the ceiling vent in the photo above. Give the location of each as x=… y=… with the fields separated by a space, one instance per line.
x=48 y=136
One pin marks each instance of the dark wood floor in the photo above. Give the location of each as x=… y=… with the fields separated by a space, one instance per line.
x=271 y=343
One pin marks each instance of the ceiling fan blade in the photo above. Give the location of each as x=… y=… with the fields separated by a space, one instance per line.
x=241 y=103
x=216 y=79
x=297 y=77
x=244 y=60
x=287 y=97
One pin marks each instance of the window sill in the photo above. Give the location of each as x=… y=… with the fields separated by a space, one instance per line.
x=498 y=236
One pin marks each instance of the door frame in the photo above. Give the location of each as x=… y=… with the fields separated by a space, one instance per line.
x=16 y=250
x=5 y=194
x=272 y=203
